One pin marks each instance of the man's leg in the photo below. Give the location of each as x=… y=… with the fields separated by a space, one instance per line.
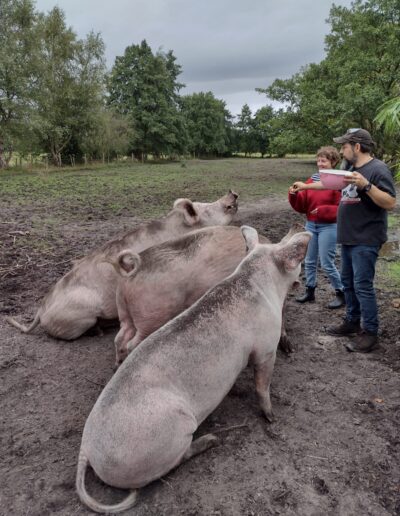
x=364 y=263
x=351 y=323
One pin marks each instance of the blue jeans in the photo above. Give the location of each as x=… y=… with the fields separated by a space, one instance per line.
x=323 y=246
x=358 y=272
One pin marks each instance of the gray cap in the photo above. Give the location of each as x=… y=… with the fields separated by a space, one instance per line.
x=355 y=136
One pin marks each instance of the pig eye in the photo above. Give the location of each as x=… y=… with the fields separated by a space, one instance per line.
x=229 y=207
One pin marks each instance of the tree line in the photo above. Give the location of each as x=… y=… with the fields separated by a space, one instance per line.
x=57 y=99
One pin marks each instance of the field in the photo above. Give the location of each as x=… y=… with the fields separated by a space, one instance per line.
x=334 y=447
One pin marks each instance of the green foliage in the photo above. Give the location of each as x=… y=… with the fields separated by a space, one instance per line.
x=69 y=87
x=388 y=118
x=262 y=127
x=109 y=137
x=359 y=73
x=144 y=87
x=254 y=133
x=51 y=84
x=18 y=59
x=207 y=123
x=245 y=127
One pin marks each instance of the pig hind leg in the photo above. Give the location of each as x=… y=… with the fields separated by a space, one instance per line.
x=200 y=445
x=263 y=376
x=71 y=315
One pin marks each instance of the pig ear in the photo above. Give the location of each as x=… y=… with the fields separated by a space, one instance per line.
x=188 y=210
x=250 y=236
x=234 y=194
x=128 y=263
x=293 y=252
x=295 y=228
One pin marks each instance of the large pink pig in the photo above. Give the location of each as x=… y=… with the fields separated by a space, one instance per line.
x=142 y=425
x=87 y=292
x=162 y=281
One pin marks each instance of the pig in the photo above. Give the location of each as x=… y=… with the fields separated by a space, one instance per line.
x=88 y=291
x=142 y=425
x=164 y=280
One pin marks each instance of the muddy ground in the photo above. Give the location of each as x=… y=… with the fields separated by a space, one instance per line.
x=333 y=449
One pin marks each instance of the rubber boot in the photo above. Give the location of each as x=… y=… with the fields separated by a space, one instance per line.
x=308 y=297
x=338 y=301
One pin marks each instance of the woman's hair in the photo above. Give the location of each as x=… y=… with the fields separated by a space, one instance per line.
x=330 y=153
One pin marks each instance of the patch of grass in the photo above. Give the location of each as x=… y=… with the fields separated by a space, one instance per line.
x=393 y=220
x=143 y=190
x=388 y=275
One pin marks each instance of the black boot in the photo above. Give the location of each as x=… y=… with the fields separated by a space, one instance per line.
x=338 y=301
x=308 y=297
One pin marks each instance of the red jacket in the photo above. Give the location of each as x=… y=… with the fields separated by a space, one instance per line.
x=326 y=201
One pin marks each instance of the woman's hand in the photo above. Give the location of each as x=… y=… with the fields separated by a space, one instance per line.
x=298 y=186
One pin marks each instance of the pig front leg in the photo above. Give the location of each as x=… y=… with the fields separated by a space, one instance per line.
x=125 y=334
x=285 y=344
x=263 y=376
x=127 y=327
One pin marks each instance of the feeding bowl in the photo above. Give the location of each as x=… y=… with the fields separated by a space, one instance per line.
x=334 y=179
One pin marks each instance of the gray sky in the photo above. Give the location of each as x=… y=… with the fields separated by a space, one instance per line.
x=229 y=47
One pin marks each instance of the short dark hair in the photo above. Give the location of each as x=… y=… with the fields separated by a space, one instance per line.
x=365 y=148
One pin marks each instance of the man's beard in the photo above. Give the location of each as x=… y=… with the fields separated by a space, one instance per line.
x=346 y=164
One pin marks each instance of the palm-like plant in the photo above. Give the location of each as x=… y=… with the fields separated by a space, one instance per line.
x=388 y=118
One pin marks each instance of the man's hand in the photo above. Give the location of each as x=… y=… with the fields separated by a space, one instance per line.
x=356 y=179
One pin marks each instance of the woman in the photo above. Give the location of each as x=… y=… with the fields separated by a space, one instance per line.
x=320 y=207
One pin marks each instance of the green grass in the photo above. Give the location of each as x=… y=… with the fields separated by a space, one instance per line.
x=144 y=190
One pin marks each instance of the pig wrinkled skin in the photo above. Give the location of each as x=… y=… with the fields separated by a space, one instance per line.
x=162 y=281
x=142 y=424
x=87 y=292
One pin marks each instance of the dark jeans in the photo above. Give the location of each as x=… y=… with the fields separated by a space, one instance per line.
x=358 y=272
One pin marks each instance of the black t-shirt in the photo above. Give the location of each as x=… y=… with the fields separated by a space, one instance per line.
x=360 y=220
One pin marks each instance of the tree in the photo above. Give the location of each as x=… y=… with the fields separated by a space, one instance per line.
x=109 y=137
x=207 y=123
x=245 y=126
x=144 y=87
x=18 y=61
x=262 y=126
x=69 y=87
x=359 y=73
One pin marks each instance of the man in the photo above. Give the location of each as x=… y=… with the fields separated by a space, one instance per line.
x=361 y=229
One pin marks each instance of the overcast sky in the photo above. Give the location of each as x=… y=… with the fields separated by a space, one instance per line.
x=229 y=47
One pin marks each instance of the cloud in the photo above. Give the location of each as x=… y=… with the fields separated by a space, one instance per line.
x=229 y=47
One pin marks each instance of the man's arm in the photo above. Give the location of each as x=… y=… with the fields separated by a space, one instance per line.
x=379 y=197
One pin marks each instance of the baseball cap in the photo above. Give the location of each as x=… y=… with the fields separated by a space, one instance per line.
x=355 y=135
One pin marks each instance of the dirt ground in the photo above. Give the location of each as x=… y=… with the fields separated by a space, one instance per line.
x=333 y=449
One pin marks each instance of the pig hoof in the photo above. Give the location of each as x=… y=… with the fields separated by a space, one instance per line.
x=200 y=445
x=286 y=346
x=269 y=416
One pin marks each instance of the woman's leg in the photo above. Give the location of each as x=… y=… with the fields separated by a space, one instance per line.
x=327 y=254
x=311 y=260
